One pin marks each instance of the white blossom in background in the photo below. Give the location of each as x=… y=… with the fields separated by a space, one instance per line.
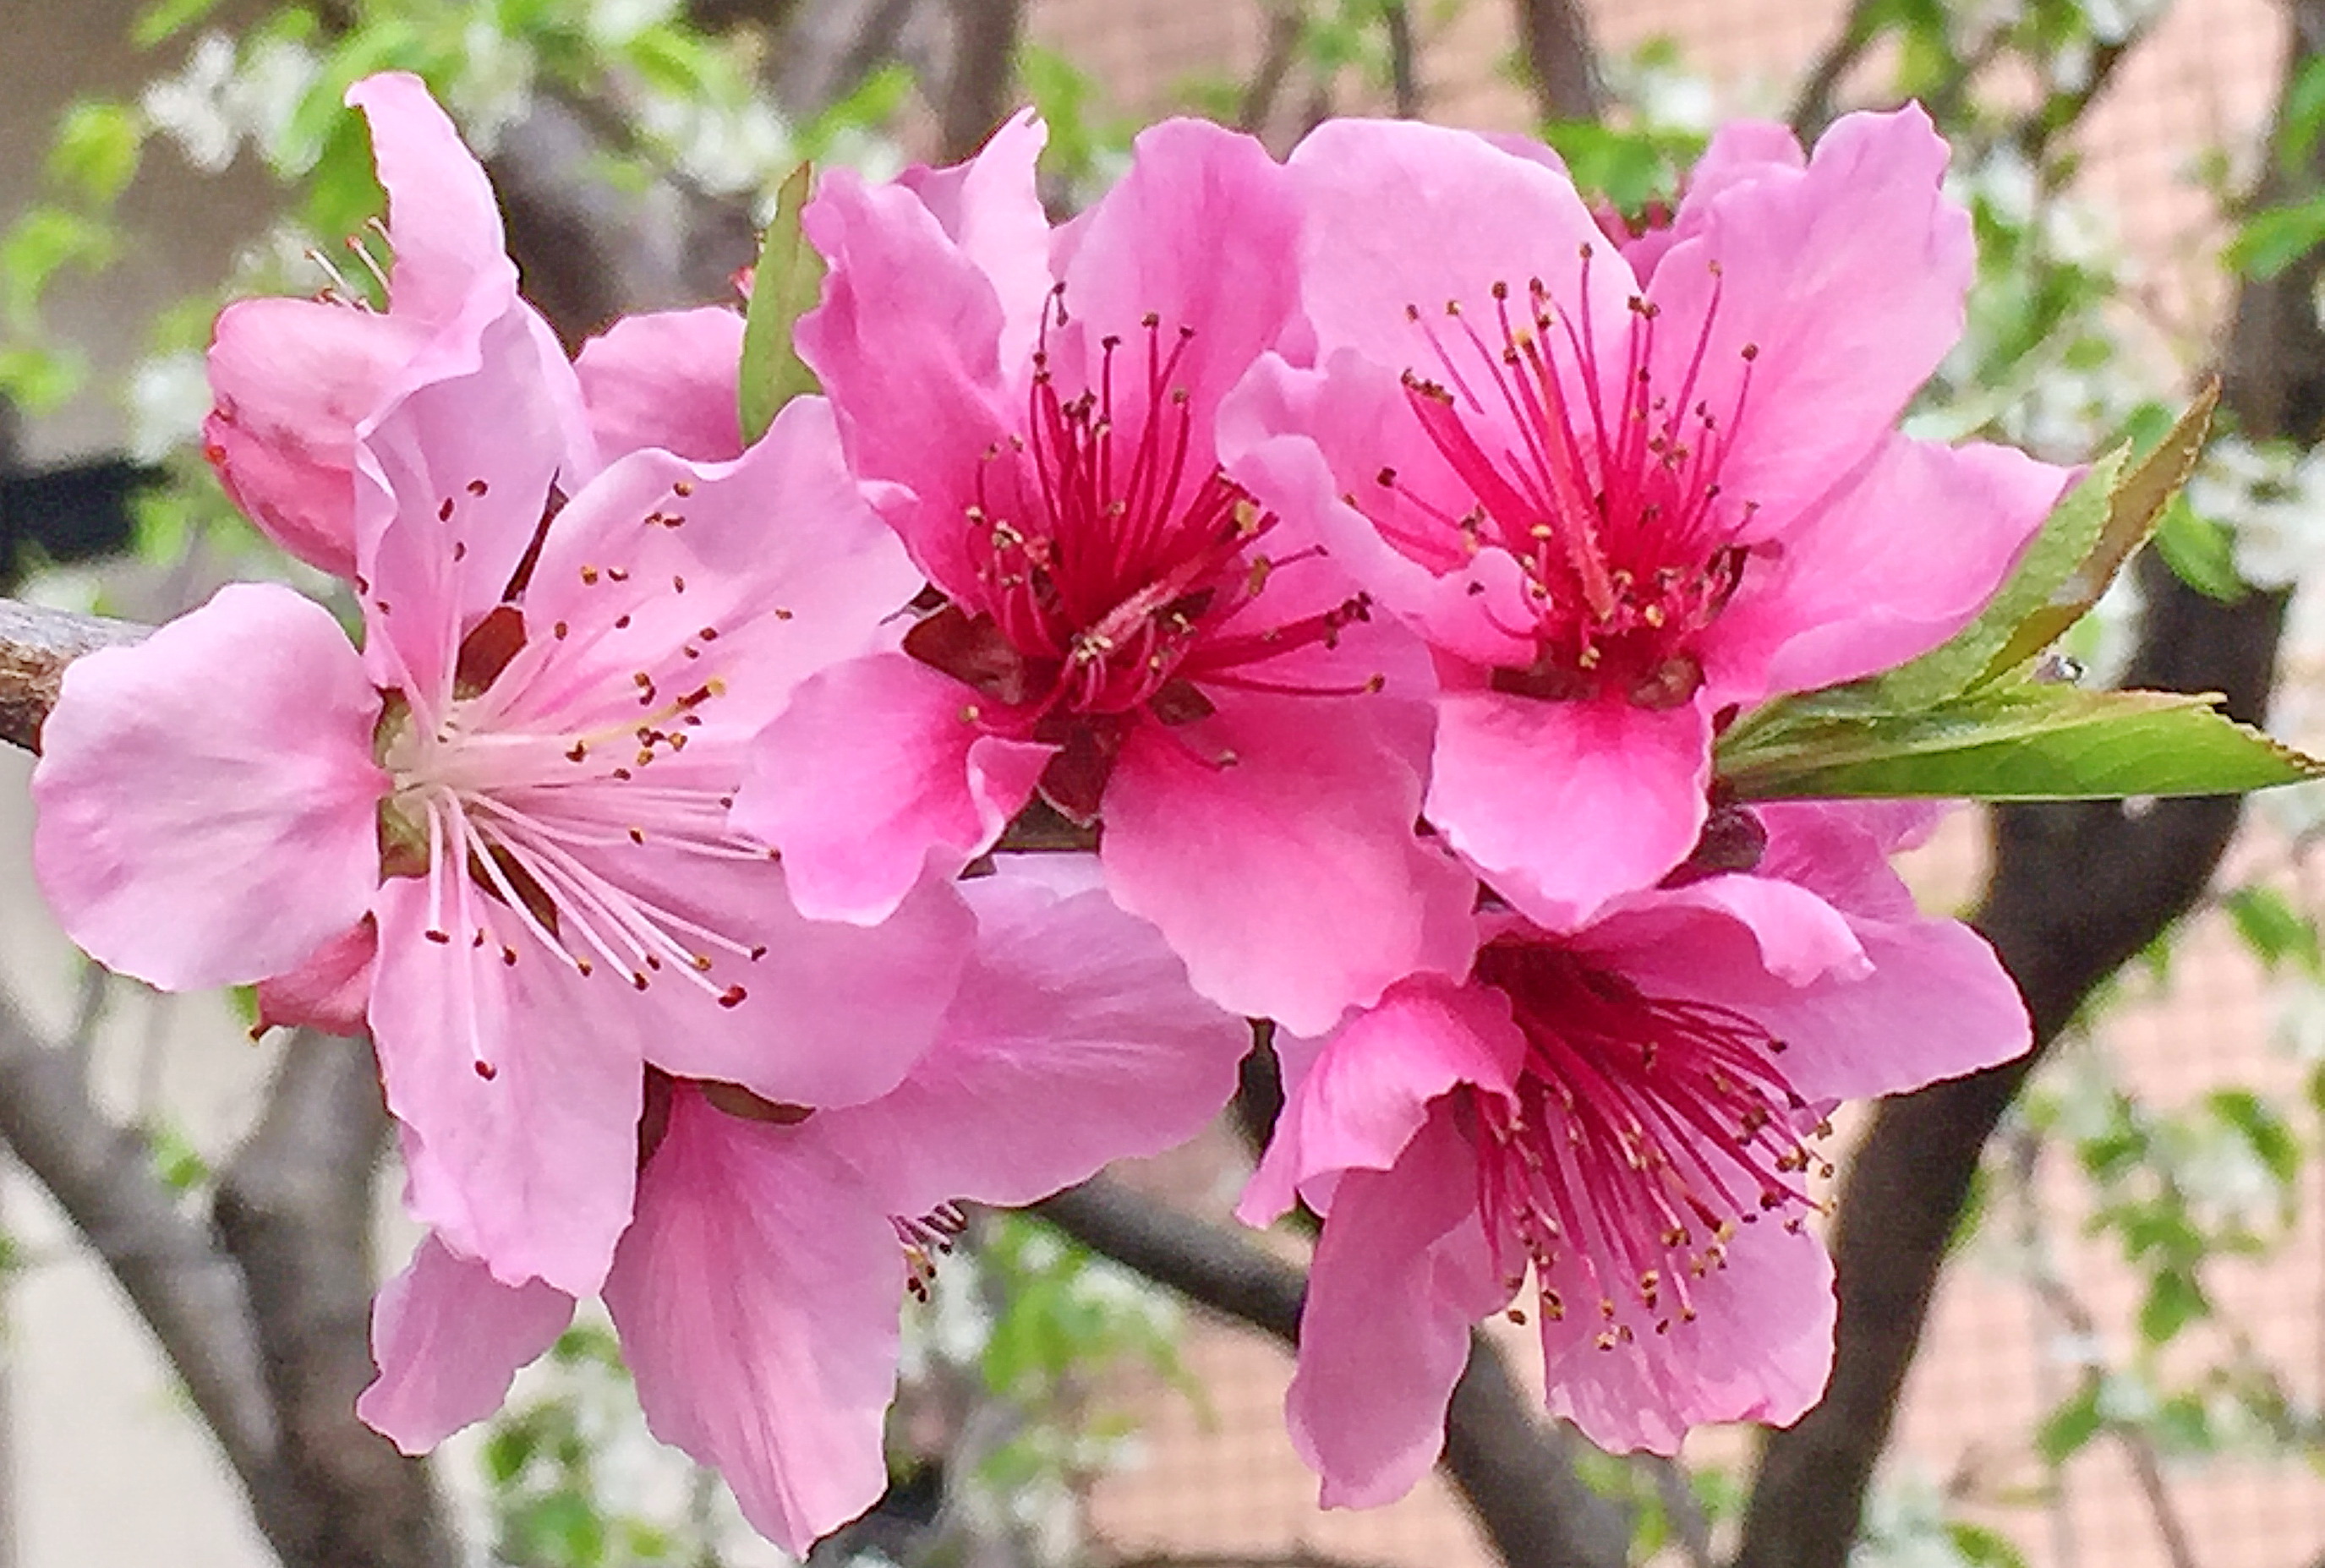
x=2272 y=496
x=495 y=85
x=615 y=23
x=727 y=149
x=169 y=396
x=190 y=107
x=275 y=77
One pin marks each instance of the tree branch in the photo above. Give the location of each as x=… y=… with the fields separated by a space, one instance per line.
x=1515 y=1473
x=1560 y=62
x=35 y=646
x=983 y=69
x=294 y=1209
x=102 y=1177
x=2077 y=891
x=1813 y=108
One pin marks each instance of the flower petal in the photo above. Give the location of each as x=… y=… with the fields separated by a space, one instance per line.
x=329 y=991
x=666 y=379
x=522 y=1096
x=1741 y=151
x=1485 y=218
x=1273 y=843
x=293 y=378
x=442 y=216
x=871 y=775
x=1758 y=1348
x=1369 y=1089
x=452 y=480
x=447 y=1338
x=991 y=208
x=1897 y=558
x=1844 y=281
x=1565 y=805
x=1402 y=1270
x=775 y=555
x=906 y=344
x=1074 y=1040
x=756 y=1295
x=206 y=798
x=1218 y=305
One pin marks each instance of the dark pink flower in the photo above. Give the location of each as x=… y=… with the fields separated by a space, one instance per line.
x=1122 y=629
x=757 y=1294
x=516 y=793
x=1628 y=1114
x=1620 y=503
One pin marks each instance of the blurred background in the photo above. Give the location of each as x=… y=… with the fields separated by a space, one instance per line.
x=2112 y=1268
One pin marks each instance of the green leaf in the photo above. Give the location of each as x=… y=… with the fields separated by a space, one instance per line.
x=2200 y=552
x=2262 y=1130
x=2274 y=238
x=784 y=286
x=2134 y=504
x=2274 y=930
x=97 y=146
x=2070 y=1426
x=1983 y=1547
x=2175 y=1300
x=2028 y=742
x=165 y=20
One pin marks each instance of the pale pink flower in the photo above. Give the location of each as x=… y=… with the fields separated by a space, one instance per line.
x=518 y=792
x=757 y=1295
x=1123 y=631
x=294 y=378
x=1628 y=1112
x=1620 y=503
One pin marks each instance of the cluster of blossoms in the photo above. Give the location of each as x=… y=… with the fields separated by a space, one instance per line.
x=1367 y=545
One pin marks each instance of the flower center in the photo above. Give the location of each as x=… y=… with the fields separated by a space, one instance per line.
x=1609 y=506
x=1104 y=593
x=1642 y=1132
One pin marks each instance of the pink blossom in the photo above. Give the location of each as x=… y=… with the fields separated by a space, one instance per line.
x=1630 y=1112
x=293 y=379
x=757 y=1294
x=1619 y=504
x=516 y=792
x=1123 y=630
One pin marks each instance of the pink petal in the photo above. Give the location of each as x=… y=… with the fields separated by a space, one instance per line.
x=991 y=208
x=1288 y=879
x=1759 y=1350
x=1741 y=151
x=447 y=1338
x=206 y=798
x=1759 y=925
x=1839 y=850
x=445 y=224
x=1566 y=805
x=666 y=379
x=775 y=554
x=1401 y=213
x=1400 y=1272
x=756 y=1297
x=329 y=991
x=1369 y=1089
x=1219 y=303
x=292 y=379
x=905 y=342
x=452 y=480
x=873 y=775
x=1074 y=1041
x=1896 y=559
x=1846 y=280
x=519 y=1081
x=827 y=1014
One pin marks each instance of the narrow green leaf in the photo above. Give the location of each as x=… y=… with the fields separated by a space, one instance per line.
x=784 y=286
x=2134 y=504
x=2200 y=552
x=95 y=148
x=2175 y=1300
x=2070 y=1426
x=2274 y=238
x=2029 y=741
x=2264 y=1132
x=2274 y=930
x=1981 y=1547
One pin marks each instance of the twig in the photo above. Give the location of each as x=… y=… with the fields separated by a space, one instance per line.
x=1515 y=1473
x=1287 y=21
x=1811 y=108
x=1560 y=62
x=1403 y=71
x=983 y=68
x=35 y=646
